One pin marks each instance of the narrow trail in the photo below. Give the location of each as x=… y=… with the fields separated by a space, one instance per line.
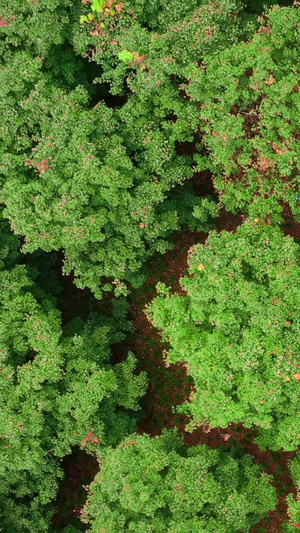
x=80 y=469
x=169 y=384
x=276 y=464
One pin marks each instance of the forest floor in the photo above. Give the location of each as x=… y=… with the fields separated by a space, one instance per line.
x=170 y=386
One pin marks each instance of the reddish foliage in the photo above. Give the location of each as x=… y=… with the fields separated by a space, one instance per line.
x=119 y=7
x=41 y=166
x=88 y=438
x=278 y=150
x=265 y=29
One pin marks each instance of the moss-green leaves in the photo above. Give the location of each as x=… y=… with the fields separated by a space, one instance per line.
x=125 y=56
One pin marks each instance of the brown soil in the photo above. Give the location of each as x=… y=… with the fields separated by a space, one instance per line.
x=169 y=385
x=290 y=227
x=80 y=470
x=277 y=466
x=203 y=184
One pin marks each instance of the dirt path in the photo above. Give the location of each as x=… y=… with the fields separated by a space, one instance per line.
x=290 y=227
x=80 y=470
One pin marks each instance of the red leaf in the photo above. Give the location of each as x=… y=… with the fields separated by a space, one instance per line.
x=278 y=150
x=3 y=22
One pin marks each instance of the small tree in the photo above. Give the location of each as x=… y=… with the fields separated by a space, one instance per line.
x=157 y=485
x=238 y=331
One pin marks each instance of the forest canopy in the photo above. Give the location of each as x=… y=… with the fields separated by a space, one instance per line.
x=149 y=266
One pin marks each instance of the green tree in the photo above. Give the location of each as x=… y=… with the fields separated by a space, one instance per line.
x=248 y=101
x=158 y=485
x=70 y=183
x=58 y=390
x=38 y=26
x=103 y=184
x=237 y=328
x=217 y=77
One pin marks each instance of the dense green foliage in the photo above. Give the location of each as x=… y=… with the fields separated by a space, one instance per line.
x=250 y=104
x=123 y=124
x=238 y=330
x=157 y=485
x=56 y=388
x=81 y=176
x=221 y=80
x=98 y=181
